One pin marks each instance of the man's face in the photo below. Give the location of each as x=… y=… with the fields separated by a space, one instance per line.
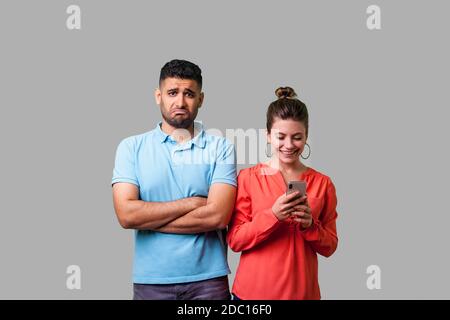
x=179 y=100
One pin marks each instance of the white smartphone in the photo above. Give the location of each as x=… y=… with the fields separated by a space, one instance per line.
x=299 y=186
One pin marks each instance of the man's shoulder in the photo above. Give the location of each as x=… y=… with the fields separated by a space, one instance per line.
x=138 y=138
x=217 y=141
x=213 y=137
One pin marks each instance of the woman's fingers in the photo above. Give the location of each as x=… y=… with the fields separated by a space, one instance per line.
x=294 y=203
x=288 y=205
x=288 y=198
x=305 y=223
x=301 y=214
x=302 y=208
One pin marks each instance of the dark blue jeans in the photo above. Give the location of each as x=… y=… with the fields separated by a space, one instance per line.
x=211 y=289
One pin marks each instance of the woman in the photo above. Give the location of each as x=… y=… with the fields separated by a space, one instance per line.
x=280 y=235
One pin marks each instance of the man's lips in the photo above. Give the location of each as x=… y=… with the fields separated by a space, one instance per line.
x=179 y=112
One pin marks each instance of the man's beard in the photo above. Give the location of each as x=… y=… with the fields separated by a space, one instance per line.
x=179 y=122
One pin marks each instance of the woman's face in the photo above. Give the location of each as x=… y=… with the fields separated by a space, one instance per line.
x=287 y=139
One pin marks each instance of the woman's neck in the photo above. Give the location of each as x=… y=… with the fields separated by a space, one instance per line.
x=296 y=166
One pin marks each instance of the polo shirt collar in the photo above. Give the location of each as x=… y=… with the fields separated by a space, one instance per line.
x=199 y=140
x=161 y=134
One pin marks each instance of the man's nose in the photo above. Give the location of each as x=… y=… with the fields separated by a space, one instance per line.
x=181 y=101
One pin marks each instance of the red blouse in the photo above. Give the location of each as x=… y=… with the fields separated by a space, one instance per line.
x=278 y=260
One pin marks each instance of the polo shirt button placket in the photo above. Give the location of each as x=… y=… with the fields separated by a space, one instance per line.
x=176 y=157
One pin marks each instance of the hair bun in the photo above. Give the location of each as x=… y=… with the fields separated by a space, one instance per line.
x=285 y=92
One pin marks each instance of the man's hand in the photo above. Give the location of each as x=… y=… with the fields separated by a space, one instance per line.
x=216 y=214
x=199 y=201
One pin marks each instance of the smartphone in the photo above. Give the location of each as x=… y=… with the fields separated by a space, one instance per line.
x=299 y=186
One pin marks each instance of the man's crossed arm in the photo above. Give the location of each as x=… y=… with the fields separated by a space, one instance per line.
x=188 y=215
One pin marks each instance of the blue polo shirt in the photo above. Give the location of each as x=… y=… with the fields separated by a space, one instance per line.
x=165 y=171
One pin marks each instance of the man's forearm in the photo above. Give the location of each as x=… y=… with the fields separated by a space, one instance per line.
x=202 y=219
x=143 y=215
x=215 y=214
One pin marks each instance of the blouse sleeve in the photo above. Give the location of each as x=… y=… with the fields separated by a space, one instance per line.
x=322 y=234
x=247 y=228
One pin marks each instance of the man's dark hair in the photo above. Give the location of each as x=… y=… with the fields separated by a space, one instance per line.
x=181 y=69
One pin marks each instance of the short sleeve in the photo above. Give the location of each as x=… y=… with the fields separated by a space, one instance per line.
x=225 y=168
x=124 y=167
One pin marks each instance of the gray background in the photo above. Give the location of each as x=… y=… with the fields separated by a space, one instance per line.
x=378 y=103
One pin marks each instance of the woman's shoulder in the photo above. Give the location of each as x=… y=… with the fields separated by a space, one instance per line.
x=318 y=177
x=317 y=174
x=256 y=170
x=245 y=172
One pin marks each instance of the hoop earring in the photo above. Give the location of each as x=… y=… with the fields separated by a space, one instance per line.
x=267 y=152
x=309 y=153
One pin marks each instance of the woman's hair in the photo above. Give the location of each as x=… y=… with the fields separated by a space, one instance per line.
x=287 y=106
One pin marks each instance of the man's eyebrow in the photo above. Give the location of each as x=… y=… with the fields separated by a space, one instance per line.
x=172 y=89
x=189 y=90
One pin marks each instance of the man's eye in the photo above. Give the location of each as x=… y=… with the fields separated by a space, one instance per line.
x=298 y=138
x=172 y=94
x=280 y=137
x=190 y=95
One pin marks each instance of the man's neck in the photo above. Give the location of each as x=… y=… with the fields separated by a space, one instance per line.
x=180 y=135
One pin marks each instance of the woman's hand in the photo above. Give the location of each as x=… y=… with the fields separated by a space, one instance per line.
x=284 y=206
x=302 y=214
